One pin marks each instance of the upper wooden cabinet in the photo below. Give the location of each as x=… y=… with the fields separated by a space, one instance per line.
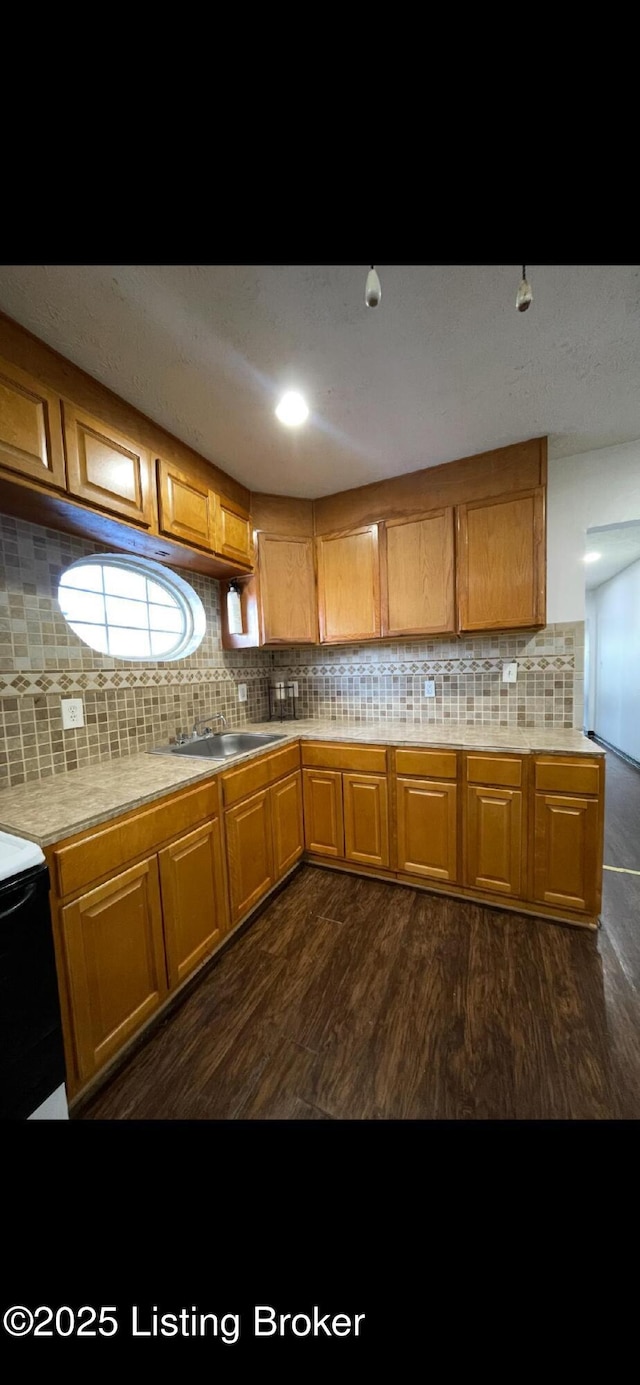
x=287 y=590
x=186 y=507
x=30 y=428
x=233 y=532
x=502 y=562
x=107 y=469
x=417 y=570
x=349 y=586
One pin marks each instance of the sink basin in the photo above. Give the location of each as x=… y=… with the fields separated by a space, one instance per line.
x=220 y=746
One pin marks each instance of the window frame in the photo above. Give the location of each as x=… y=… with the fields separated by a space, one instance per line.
x=183 y=596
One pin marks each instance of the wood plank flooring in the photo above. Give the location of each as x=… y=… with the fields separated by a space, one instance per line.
x=351 y=999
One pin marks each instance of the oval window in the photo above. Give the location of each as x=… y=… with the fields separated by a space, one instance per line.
x=131 y=608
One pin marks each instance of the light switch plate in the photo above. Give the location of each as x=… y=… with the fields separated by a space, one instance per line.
x=429 y=687
x=242 y=692
x=510 y=672
x=72 y=713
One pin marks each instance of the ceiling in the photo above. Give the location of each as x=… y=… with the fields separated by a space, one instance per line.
x=618 y=546
x=445 y=367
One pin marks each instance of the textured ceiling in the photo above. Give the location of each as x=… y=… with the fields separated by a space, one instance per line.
x=618 y=546
x=443 y=368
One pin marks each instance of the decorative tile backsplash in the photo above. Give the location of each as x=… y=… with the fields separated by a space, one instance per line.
x=132 y=706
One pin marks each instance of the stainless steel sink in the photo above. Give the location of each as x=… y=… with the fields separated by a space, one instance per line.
x=221 y=746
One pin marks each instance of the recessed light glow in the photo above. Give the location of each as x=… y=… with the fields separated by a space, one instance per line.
x=592 y=557
x=292 y=409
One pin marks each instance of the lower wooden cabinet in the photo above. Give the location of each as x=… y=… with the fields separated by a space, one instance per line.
x=365 y=805
x=567 y=852
x=323 y=817
x=495 y=840
x=249 y=852
x=427 y=828
x=287 y=823
x=115 y=961
x=194 y=905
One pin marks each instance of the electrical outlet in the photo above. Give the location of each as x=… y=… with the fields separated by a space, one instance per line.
x=295 y=689
x=72 y=713
x=429 y=687
x=510 y=672
x=242 y=692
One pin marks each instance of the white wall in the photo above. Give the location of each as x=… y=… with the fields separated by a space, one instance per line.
x=592 y=488
x=590 y=660
x=615 y=701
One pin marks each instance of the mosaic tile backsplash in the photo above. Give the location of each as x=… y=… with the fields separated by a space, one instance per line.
x=132 y=706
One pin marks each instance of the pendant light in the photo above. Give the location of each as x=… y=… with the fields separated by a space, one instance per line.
x=525 y=295
x=373 y=290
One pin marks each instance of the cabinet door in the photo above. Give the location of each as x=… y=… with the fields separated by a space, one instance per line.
x=427 y=828
x=495 y=840
x=418 y=595
x=502 y=562
x=349 y=586
x=233 y=532
x=366 y=818
x=288 y=612
x=567 y=852
x=187 y=508
x=30 y=428
x=287 y=822
x=115 y=957
x=249 y=852
x=323 y=820
x=193 y=899
x=107 y=469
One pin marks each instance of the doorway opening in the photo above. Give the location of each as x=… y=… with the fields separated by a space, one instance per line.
x=612 y=637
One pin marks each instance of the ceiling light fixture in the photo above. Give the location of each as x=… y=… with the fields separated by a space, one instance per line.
x=592 y=557
x=292 y=409
x=524 y=296
x=373 y=289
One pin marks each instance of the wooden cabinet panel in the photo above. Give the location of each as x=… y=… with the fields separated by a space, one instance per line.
x=561 y=775
x=502 y=562
x=107 y=469
x=323 y=755
x=427 y=764
x=366 y=819
x=427 y=828
x=323 y=819
x=349 y=586
x=259 y=773
x=249 y=852
x=233 y=532
x=567 y=852
x=30 y=428
x=194 y=910
x=505 y=770
x=417 y=574
x=288 y=823
x=115 y=962
x=186 y=506
x=287 y=583
x=495 y=840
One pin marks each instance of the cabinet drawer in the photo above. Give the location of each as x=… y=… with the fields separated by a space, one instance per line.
x=259 y=773
x=358 y=757
x=495 y=769
x=429 y=764
x=109 y=848
x=557 y=775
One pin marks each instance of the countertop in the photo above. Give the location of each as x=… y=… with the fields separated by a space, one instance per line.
x=50 y=809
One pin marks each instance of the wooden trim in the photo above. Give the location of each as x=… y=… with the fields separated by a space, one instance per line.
x=284 y=515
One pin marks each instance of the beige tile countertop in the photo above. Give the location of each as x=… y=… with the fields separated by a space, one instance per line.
x=50 y=809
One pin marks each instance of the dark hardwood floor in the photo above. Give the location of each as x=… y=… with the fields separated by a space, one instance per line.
x=352 y=999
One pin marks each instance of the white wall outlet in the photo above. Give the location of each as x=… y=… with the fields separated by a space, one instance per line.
x=510 y=672
x=72 y=713
x=294 y=689
x=242 y=692
x=429 y=687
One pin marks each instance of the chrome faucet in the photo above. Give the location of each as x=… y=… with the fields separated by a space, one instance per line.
x=211 y=716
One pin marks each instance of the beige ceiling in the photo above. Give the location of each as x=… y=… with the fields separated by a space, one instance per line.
x=443 y=368
x=618 y=546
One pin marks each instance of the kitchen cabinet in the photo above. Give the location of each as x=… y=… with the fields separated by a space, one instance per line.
x=249 y=853
x=287 y=590
x=494 y=839
x=427 y=828
x=186 y=506
x=115 y=962
x=568 y=832
x=502 y=562
x=417 y=568
x=323 y=816
x=192 y=882
x=30 y=428
x=107 y=469
x=263 y=825
x=287 y=823
x=233 y=532
x=365 y=806
x=349 y=586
